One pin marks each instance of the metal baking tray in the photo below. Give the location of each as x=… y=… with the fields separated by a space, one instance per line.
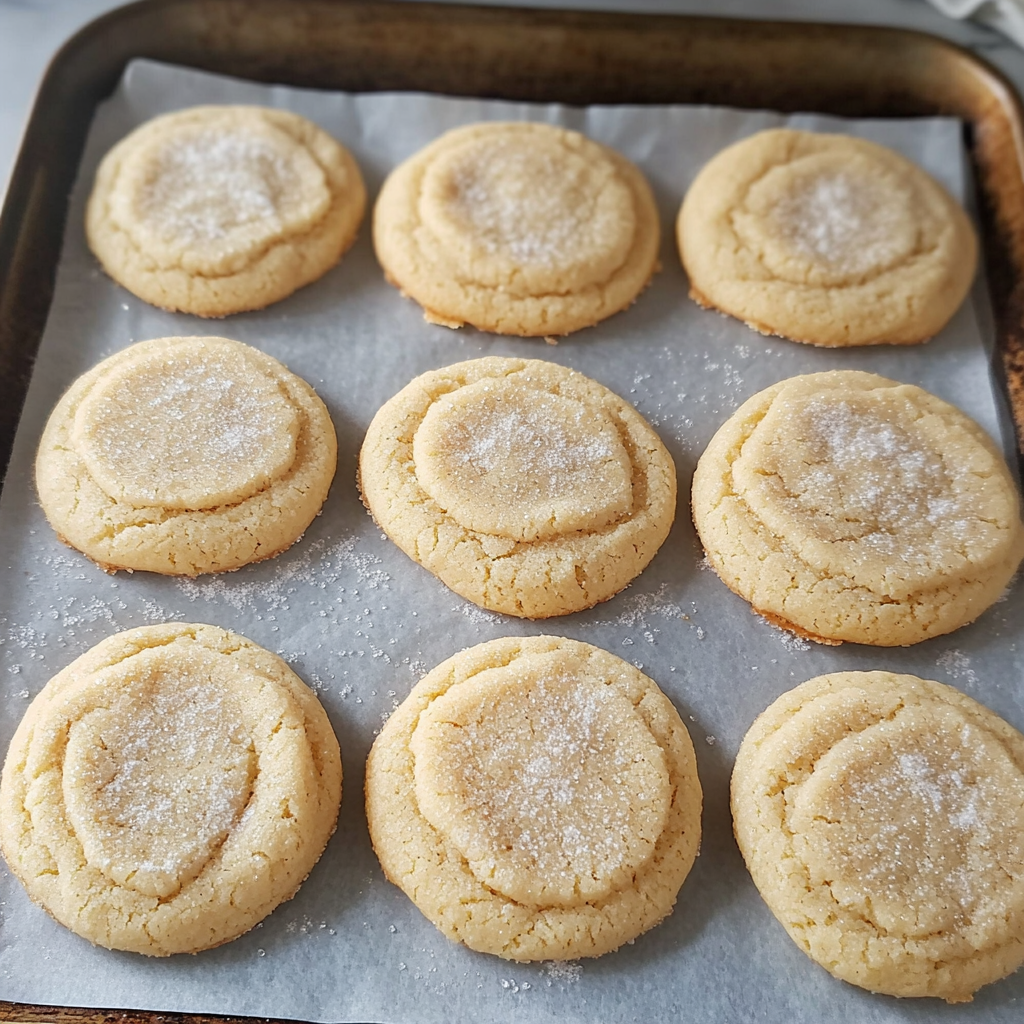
x=532 y=55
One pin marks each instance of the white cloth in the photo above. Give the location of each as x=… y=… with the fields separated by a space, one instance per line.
x=1005 y=15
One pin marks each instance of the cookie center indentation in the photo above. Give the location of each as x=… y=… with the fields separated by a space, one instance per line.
x=505 y=459
x=528 y=213
x=862 y=484
x=917 y=824
x=191 y=428
x=208 y=184
x=155 y=779
x=551 y=786
x=826 y=220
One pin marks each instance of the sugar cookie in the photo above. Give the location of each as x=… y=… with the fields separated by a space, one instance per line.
x=217 y=210
x=882 y=819
x=527 y=488
x=845 y=506
x=537 y=798
x=517 y=228
x=168 y=789
x=184 y=456
x=825 y=239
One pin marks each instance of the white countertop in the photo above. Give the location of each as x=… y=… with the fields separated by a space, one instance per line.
x=32 y=31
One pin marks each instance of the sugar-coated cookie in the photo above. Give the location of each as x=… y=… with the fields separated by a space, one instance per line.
x=845 y=506
x=526 y=487
x=217 y=210
x=825 y=239
x=184 y=456
x=168 y=789
x=882 y=819
x=517 y=228
x=537 y=798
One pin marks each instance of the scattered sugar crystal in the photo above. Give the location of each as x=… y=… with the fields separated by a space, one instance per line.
x=320 y=564
x=637 y=608
x=957 y=665
x=563 y=970
x=790 y=641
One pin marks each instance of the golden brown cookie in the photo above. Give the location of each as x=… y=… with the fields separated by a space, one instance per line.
x=536 y=798
x=168 y=789
x=517 y=228
x=825 y=239
x=184 y=456
x=882 y=819
x=527 y=488
x=845 y=506
x=216 y=210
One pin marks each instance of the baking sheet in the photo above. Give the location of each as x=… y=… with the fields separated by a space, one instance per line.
x=361 y=623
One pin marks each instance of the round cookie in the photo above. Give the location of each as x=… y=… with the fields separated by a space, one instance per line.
x=844 y=506
x=526 y=487
x=217 y=210
x=184 y=456
x=881 y=817
x=168 y=789
x=825 y=239
x=517 y=228
x=536 y=798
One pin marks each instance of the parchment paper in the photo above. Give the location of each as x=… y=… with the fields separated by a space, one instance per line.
x=361 y=623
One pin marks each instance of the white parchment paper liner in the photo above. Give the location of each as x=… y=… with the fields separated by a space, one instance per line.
x=361 y=623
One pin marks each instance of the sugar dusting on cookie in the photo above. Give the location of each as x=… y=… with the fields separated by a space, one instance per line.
x=209 y=183
x=514 y=461
x=914 y=822
x=538 y=206
x=161 y=775
x=555 y=798
x=534 y=440
x=205 y=428
x=875 y=475
x=840 y=220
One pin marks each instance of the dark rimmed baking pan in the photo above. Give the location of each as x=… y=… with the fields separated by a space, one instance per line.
x=551 y=56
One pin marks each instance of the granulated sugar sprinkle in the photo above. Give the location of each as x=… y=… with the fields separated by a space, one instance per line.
x=532 y=437
x=920 y=823
x=637 y=608
x=319 y=565
x=211 y=183
x=568 y=971
x=172 y=775
x=841 y=221
x=526 y=204
x=201 y=417
x=893 y=490
x=554 y=783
